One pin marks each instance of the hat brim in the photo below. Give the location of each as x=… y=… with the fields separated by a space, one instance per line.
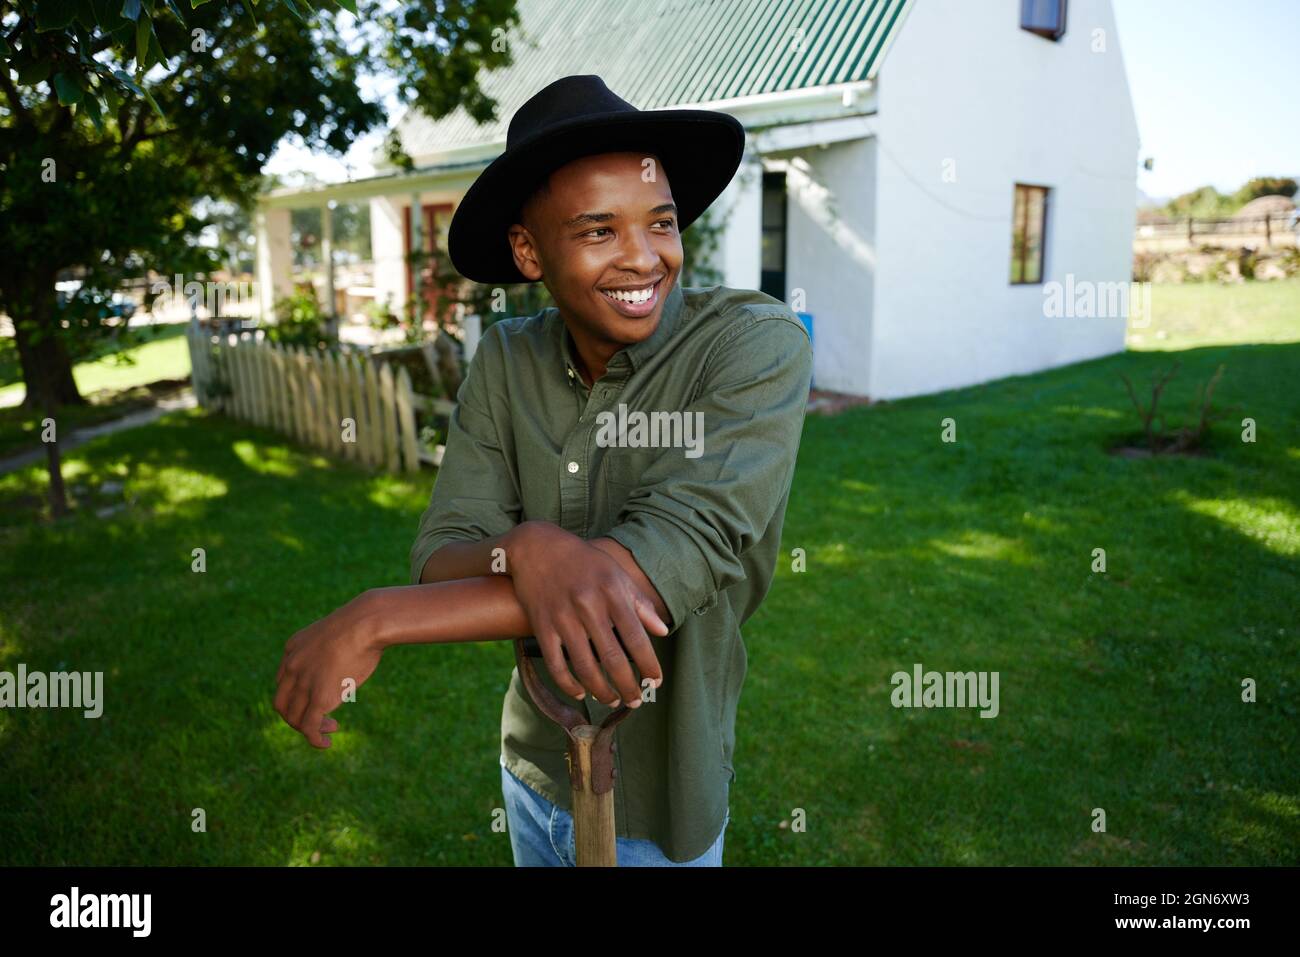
x=699 y=150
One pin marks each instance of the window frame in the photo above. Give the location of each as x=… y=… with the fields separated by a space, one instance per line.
x=1019 y=254
x=1044 y=32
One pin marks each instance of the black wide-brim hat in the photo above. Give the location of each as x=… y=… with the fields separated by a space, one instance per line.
x=699 y=151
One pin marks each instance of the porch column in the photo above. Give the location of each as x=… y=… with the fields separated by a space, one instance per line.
x=387 y=246
x=274 y=258
x=417 y=245
x=327 y=257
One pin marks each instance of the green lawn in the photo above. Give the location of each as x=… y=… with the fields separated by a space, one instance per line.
x=165 y=356
x=113 y=386
x=1187 y=315
x=1119 y=691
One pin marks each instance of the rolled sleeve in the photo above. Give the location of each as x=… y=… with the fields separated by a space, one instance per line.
x=475 y=495
x=691 y=519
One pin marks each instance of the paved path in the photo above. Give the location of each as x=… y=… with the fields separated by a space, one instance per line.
x=178 y=400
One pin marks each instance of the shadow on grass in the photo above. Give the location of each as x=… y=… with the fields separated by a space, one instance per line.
x=190 y=659
x=1119 y=691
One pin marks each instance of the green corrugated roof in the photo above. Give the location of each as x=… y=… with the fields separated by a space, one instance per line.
x=663 y=53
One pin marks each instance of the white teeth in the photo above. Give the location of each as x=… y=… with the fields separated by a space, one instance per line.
x=643 y=295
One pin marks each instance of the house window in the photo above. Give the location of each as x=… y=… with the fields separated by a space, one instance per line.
x=1044 y=17
x=1028 y=233
x=773 y=228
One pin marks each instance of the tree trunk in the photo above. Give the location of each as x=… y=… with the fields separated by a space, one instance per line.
x=47 y=355
x=47 y=370
x=54 y=464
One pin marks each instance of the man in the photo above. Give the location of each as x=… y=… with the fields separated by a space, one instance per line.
x=615 y=478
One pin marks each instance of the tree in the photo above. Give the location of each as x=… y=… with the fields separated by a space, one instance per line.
x=1203 y=203
x=102 y=168
x=1264 y=186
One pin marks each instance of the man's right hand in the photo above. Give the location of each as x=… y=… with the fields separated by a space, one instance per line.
x=575 y=596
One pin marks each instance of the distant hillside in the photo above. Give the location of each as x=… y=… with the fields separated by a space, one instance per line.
x=1147 y=201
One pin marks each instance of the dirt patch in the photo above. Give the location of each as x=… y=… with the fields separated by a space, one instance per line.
x=1142 y=452
x=823 y=402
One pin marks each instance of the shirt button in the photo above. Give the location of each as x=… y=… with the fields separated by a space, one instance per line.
x=573 y=467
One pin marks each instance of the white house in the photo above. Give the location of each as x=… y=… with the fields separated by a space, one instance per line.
x=923 y=178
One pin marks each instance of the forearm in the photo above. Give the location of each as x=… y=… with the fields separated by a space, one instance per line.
x=481 y=608
x=525 y=543
x=457 y=560
x=489 y=556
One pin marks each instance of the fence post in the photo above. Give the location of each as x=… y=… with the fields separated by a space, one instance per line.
x=361 y=453
x=304 y=391
x=214 y=362
x=374 y=424
x=274 y=382
x=323 y=415
x=308 y=397
x=196 y=377
x=232 y=376
x=249 y=382
x=250 y=371
x=295 y=398
x=204 y=342
x=388 y=417
x=330 y=381
x=258 y=356
x=239 y=394
x=285 y=388
x=406 y=421
x=268 y=383
x=319 y=421
x=345 y=405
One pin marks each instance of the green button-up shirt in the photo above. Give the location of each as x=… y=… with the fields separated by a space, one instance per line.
x=701 y=512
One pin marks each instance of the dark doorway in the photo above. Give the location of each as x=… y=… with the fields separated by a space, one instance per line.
x=774 y=235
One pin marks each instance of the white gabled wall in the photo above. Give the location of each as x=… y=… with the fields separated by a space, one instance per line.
x=831 y=256
x=964 y=83
x=740 y=209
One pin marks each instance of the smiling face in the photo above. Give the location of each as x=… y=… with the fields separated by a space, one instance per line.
x=605 y=243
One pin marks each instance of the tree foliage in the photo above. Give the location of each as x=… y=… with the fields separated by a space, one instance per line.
x=118 y=116
x=1265 y=186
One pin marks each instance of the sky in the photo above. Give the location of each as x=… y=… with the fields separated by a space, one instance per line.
x=291 y=160
x=1215 y=85
x=1216 y=88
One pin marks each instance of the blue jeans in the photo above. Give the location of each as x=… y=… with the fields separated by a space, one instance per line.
x=541 y=834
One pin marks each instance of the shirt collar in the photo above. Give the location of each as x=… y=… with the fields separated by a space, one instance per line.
x=634 y=355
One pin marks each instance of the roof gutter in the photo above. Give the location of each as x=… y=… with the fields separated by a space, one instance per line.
x=758 y=110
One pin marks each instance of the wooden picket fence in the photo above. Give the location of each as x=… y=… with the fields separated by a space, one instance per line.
x=309 y=395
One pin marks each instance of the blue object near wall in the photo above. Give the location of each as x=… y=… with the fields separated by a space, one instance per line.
x=807 y=319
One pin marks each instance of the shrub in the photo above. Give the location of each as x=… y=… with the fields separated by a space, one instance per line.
x=1188 y=437
x=299 y=321
x=1144 y=265
x=1247 y=260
